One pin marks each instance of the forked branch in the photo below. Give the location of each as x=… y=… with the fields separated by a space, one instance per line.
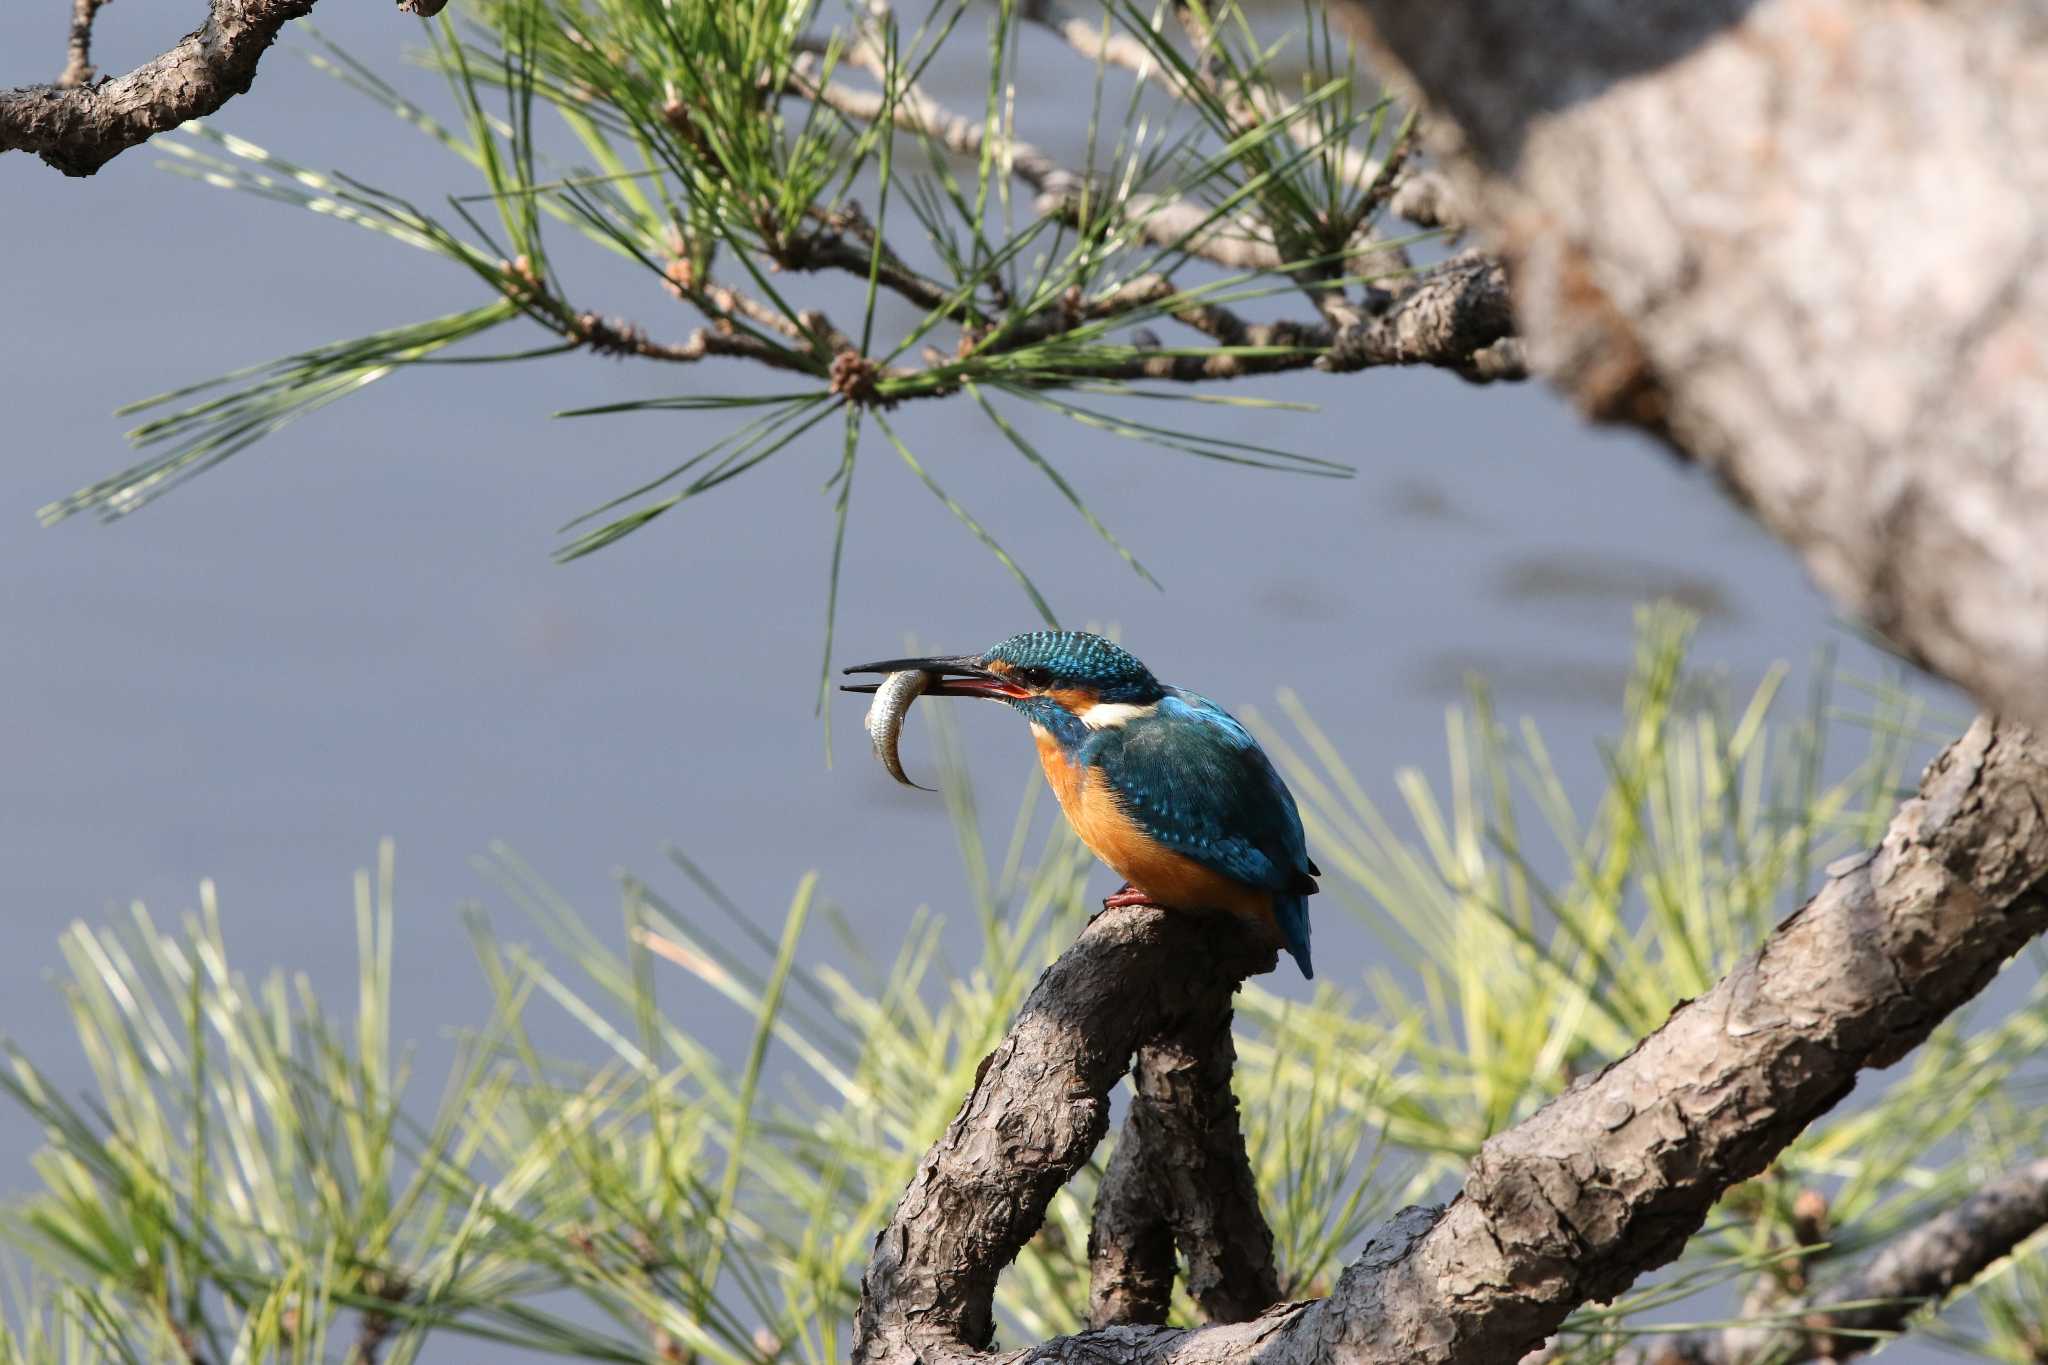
x=1039 y=1106
x=1606 y=1182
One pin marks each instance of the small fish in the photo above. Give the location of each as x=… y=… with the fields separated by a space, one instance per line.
x=885 y=717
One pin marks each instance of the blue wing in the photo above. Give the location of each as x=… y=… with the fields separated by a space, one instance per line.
x=1198 y=782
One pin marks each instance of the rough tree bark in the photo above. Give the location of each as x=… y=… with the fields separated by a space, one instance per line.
x=1806 y=241
x=1180 y=1177
x=1040 y=1104
x=1606 y=1182
x=79 y=126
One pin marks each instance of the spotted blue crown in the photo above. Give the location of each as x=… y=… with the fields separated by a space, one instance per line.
x=1074 y=658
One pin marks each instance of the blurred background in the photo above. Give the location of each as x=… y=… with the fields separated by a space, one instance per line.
x=355 y=629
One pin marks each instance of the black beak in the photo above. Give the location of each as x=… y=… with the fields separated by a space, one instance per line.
x=959 y=676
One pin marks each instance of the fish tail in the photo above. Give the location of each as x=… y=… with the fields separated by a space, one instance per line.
x=1290 y=912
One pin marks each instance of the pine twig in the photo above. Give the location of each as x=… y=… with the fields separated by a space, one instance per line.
x=79 y=69
x=1916 y=1271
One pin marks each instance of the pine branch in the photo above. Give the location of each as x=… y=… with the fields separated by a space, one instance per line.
x=1234 y=241
x=1105 y=44
x=844 y=241
x=916 y=112
x=1915 y=1272
x=1065 y=301
x=1455 y=316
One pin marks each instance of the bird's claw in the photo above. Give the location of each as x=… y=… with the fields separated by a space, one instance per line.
x=1127 y=895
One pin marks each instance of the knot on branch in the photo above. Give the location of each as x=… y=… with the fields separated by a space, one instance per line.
x=854 y=378
x=376 y=1325
x=679 y=277
x=676 y=115
x=610 y=336
x=1448 y=317
x=521 y=283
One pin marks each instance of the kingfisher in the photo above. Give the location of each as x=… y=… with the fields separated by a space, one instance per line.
x=1160 y=783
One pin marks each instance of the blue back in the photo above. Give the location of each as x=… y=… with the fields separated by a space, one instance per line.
x=1197 y=781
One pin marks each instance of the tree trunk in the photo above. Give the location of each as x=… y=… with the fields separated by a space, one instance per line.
x=1805 y=242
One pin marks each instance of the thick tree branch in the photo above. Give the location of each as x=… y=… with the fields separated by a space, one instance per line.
x=1040 y=1104
x=1180 y=1175
x=1806 y=241
x=1572 y=1205
x=79 y=128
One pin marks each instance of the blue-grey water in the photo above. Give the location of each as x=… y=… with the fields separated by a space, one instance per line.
x=355 y=629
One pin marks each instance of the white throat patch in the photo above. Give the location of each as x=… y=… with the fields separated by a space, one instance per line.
x=1108 y=715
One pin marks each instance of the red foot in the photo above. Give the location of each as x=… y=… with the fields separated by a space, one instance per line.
x=1129 y=895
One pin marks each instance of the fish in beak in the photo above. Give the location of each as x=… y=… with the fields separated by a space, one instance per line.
x=962 y=675
x=908 y=679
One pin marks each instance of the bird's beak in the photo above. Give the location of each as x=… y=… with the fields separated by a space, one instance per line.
x=959 y=676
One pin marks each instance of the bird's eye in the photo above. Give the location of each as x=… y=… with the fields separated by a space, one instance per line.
x=1035 y=677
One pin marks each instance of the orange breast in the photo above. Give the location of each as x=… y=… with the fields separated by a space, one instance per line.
x=1168 y=878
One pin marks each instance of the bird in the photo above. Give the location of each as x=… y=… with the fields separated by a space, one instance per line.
x=1160 y=783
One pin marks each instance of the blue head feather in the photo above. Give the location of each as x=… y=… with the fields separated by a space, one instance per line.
x=1075 y=660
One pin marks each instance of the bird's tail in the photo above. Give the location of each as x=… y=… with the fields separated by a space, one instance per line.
x=1290 y=912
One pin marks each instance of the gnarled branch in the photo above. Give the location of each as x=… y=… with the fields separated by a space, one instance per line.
x=1606 y=1182
x=1040 y=1104
x=1180 y=1175
x=79 y=127
x=1453 y=315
